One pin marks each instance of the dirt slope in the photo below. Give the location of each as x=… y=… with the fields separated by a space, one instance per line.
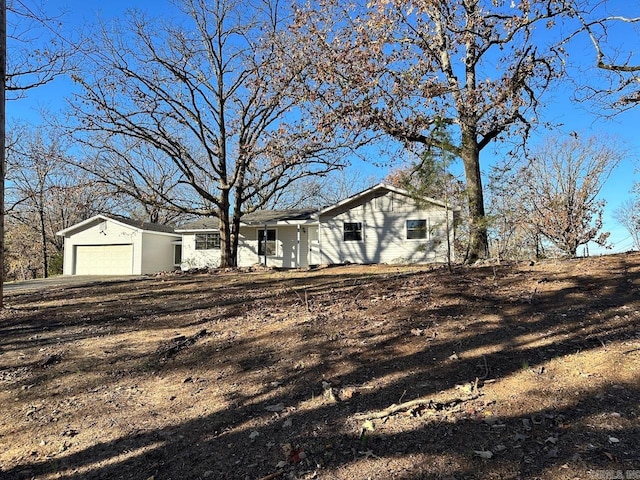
x=353 y=372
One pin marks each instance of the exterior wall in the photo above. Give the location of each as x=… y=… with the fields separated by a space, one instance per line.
x=157 y=252
x=192 y=258
x=286 y=247
x=383 y=216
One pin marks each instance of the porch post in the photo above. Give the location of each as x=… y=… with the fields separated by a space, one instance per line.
x=264 y=244
x=298 y=249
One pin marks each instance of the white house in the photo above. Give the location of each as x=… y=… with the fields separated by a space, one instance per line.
x=109 y=245
x=383 y=224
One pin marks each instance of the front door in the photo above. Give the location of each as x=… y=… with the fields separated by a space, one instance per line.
x=314 y=246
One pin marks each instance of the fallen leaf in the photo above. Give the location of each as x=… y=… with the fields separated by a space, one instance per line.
x=253 y=435
x=368 y=426
x=484 y=453
x=614 y=440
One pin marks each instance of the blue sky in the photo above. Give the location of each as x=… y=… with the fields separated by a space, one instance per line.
x=559 y=109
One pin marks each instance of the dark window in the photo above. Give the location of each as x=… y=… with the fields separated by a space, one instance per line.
x=177 y=254
x=352 y=231
x=271 y=242
x=416 y=229
x=208 y=241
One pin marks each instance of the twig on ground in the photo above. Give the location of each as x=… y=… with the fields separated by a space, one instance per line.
x=419 y=402
x=271 y=476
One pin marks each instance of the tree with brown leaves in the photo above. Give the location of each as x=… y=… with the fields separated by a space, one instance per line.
x=406 y=68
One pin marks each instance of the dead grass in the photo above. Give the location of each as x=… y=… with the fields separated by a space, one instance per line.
x=284 y=374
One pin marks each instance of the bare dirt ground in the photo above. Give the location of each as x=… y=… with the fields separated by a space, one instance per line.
x=505 y=372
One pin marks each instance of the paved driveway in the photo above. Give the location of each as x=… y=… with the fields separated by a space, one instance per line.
x=62 y=281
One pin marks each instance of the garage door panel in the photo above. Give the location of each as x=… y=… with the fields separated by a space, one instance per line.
x=104 y=260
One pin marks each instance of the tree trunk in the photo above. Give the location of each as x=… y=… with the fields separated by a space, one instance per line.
x=224 y=225
x=43 y=239
x=478 y=241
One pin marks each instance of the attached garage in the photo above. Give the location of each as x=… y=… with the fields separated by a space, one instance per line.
x=106 y=245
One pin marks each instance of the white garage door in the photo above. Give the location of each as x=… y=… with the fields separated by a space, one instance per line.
x=104 y=260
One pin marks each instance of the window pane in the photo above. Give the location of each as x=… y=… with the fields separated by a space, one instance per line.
x=416 y=229
x=271 y=242
x=352 y=231
x=207 y=241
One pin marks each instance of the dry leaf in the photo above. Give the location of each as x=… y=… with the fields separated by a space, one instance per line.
x=368 y=426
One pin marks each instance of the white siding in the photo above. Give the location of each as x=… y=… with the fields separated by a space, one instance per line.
x=192 y=258
x=157 y=252
x=384 y=232
x=248 y=247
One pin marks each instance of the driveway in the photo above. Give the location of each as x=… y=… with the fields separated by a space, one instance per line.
x=63 y=281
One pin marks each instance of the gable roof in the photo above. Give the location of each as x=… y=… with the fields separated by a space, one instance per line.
x=378 y=188
x=138 y=225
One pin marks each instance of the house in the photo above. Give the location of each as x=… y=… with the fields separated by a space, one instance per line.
x=382 y=224
x=110 y=245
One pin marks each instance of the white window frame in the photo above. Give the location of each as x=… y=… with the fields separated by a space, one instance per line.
x=427 y=233
x=206 y=241
x=361 y=229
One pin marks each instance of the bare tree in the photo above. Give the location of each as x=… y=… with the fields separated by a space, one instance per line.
x=513 y=233
x=560 y=186
x=614 y=36
x=407 y=68
x=44 y=195
x=628 y=215
x=215 y=93
x=39 y=52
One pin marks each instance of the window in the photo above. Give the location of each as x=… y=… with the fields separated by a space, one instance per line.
x=416 y=229
x=352 y=231
x=271 y=243
x=208 y=241
x=177 y=255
